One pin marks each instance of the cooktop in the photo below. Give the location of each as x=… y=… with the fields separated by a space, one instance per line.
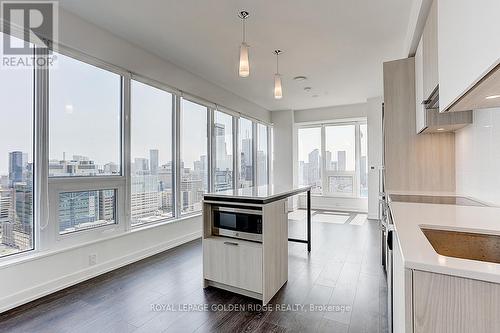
x=434 y=199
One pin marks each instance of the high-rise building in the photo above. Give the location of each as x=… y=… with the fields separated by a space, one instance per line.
x=6 y=205
x=107 y=205
x=314 y=170
x=17 y=163
x=145 y=198
x=141 y=165
x=24 y=206
x=328 y=160
x=77 y=208
x=341 y=160
x=154 y=161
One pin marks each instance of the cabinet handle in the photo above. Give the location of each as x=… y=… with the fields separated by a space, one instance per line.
x=231 y=243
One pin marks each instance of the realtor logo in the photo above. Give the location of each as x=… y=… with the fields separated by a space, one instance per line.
x=27 y=24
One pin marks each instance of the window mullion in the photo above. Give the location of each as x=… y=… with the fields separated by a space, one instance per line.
x=210 y=150
x=323 y=160
x=126 y=156
x=255 y=143
x=177 y=156
x=236 y=159
x=357 y=158
x=41 y=225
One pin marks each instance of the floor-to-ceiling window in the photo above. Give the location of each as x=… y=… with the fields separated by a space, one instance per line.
x=223 y=151
x=332 y=158
x=85 y=111
x=194 y=156
x=310 y=161
x=16 y=159
x=151 y=193
x=112 y=151
x=245 y=150
x=340 y=159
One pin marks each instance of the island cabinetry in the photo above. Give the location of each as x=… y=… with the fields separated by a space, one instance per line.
x=257 y=268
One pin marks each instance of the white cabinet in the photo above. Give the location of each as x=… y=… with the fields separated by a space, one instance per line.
x=233 y=262
x=429 y=49
x=419 y=89
x=427 y=81
x=401 y=291
x=469 y=45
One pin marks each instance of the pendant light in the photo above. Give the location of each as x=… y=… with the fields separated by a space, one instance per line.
x=278 y=92
x=244 y=68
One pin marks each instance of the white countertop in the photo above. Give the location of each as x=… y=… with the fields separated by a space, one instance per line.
x=265 y=192
x=419 y=254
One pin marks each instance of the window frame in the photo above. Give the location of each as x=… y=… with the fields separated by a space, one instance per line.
x=36 y=121
x=46 y=189
x=50 y=236
x=325 y=174
x=178 y=125
x=174 y=93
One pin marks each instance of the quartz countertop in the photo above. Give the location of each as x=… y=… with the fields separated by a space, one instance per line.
x=261 y=194
x=419 y=254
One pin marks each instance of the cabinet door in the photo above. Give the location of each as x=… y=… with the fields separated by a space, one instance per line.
x=402 y=291
x=430 y=52
x=233 y=262
x=445 y=303
x=419 y=93
x=469 y=45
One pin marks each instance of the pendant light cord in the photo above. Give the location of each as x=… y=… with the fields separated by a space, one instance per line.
x=244 y=34
x=277 y=63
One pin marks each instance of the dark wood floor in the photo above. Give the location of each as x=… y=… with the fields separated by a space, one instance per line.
x=343 y=269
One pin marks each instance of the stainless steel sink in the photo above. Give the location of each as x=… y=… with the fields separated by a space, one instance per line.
x=464 y=245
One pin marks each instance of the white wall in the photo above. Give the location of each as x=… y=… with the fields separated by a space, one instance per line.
x=38 y=274
x=359 y=110
x=477 y=155
x=331 y=113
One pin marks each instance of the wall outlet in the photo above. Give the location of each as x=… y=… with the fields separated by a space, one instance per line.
x=92 y=259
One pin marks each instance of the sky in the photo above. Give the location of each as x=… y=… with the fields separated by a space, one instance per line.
x=16 y=113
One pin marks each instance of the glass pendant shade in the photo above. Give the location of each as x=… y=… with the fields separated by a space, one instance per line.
x=244 y=69
x=278 y=93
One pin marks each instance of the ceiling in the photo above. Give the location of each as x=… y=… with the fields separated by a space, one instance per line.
x=338 y=44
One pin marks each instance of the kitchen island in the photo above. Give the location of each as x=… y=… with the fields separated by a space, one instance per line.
x=245 y=239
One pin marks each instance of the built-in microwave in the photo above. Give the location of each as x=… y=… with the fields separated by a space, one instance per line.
x=235 y=222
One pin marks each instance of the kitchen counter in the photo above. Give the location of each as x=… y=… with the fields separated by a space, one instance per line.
x=257 y=194
x=419 y=254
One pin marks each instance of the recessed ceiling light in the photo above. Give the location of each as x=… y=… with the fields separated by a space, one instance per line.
x=300 y=78
x=493 y=96
x=308 y=89
x=440 y=129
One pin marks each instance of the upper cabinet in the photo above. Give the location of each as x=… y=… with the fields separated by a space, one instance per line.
x=468 y=54
x=428 y=118
x=429 y=51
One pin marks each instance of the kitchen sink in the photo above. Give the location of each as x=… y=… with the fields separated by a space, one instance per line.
x=464 y=245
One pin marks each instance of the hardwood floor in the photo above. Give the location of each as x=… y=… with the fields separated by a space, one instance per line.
x=342 y=270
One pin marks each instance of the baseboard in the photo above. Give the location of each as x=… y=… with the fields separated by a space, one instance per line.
x=68 y=280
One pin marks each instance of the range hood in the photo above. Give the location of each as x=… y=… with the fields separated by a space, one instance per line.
x=433 y=102
x=436 y=122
